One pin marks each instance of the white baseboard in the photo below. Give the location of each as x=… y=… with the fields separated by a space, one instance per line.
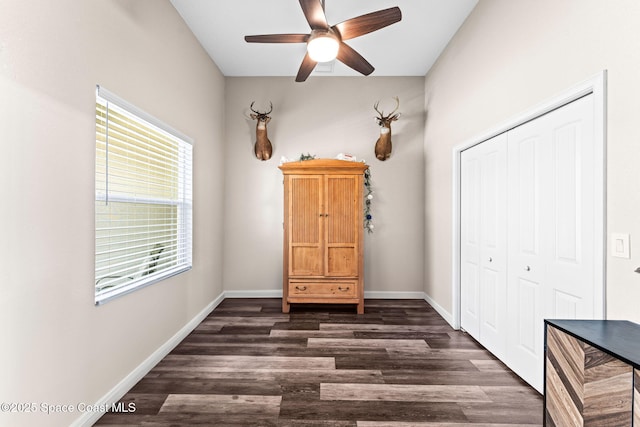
x=441 y=311
x=270 y=293
x=393 y=295
x=277 y=293
x=117 y=392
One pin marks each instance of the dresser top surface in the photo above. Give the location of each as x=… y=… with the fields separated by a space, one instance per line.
x=619 y=338
x=323 y=165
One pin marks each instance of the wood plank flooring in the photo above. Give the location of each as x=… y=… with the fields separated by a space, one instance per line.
x=398 y=365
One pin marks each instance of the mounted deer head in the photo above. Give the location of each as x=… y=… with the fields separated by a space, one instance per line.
x=383 y=144
x=262 y=147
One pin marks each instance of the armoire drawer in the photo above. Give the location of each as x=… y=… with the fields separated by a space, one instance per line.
x=336 y=289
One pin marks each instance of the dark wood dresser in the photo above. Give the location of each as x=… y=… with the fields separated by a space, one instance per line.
x=592 y=373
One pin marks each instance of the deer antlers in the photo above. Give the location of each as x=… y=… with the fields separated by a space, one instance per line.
x=258 y=113
x=390 y=116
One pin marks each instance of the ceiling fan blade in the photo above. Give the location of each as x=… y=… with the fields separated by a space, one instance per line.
x=368 y=23
x=314 y=13
x=348 y=56
x=306 y=68
x=277 y=38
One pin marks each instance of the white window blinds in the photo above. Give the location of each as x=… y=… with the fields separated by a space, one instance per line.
x=143 y=199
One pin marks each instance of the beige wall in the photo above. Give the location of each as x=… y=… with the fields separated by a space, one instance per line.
x=323 y=116
x=57 y=347
x=510 y=56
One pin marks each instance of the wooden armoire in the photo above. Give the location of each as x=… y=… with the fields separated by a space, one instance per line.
x=323 y=232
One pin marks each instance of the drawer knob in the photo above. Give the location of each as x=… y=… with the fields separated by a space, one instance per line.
x=340 y=288
x=301 y=288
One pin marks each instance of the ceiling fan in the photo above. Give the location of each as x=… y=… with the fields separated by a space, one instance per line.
x=325 y=43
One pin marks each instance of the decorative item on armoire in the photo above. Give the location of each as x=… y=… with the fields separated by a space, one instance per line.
x=368 y=218
x=383 y=144
x=262 y=146
x=307 y=156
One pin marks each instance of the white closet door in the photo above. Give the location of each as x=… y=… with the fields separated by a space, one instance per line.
x=493 y=244
x=550 y=229
x=484 y=260
x=470 y=241
x=528 y=180
x=570 y=261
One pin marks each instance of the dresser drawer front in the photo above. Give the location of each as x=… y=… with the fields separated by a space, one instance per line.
x=333 y=289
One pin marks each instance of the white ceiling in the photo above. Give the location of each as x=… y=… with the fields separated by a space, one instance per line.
x=407 y=48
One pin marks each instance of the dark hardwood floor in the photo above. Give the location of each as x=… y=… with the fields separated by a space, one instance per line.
x=398 y=365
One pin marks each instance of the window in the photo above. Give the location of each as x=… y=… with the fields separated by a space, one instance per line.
x=143 y=199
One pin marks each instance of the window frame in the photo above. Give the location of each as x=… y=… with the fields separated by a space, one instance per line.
x=179 y=258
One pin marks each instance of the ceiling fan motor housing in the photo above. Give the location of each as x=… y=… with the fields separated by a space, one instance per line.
x=323 y=45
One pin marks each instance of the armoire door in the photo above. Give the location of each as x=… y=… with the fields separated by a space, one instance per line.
x=484 y=243
x=551 y=232
x=306 y=221
x=324 y=222
x=342 y=221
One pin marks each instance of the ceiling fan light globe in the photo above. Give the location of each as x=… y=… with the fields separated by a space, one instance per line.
x=323 y=48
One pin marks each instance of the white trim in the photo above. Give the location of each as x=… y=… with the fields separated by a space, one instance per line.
x=116 y=393
x=597 y=86
x=270 y=293
x=132 y=109
x=441 y=311
x=277 y=293
x=394 y=295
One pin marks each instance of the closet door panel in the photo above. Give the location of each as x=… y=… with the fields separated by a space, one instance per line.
x=470 y=243
x=571 y=258
x=483 y=275
x=550 y=228
x=526 y=272
x=493 y=245
x=526 y=173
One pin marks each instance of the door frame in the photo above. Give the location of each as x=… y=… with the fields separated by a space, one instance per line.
x=597 y=86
